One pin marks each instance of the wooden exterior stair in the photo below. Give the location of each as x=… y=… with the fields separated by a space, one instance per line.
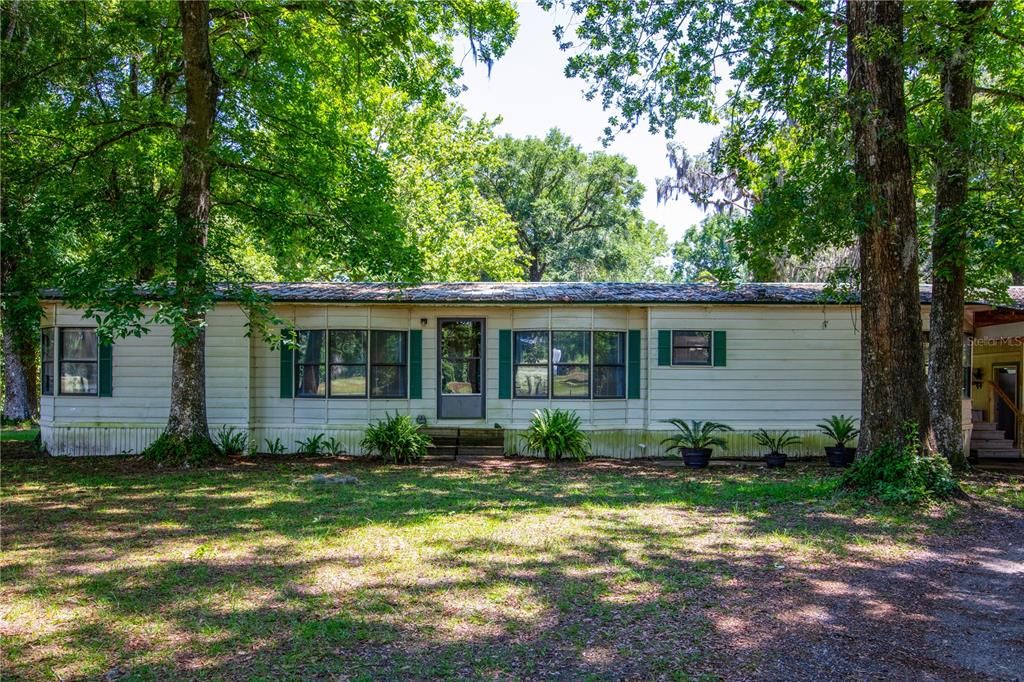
x=455 y=442
x=987 y=441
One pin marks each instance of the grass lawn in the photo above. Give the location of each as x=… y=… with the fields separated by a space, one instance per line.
x=22 y=433
x=253 y=571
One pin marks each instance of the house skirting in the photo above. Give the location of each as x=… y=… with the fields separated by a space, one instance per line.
x=113 y=439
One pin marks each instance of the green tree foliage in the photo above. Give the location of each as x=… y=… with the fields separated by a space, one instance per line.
x=707 y=253
x=577 y=215
x=434 y=155
x=775 y=76
x=297 y=182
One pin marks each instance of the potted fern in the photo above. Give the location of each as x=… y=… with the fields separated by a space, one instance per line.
x=842 y=430
x=775 y=442
x=695 y=440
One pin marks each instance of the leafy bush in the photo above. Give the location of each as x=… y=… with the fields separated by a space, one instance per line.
x=696 y=435
x=840 y=428
x=397 y=439
x=312 y=446
x=168 y=450
x=229 y=441
x=775 y=441
x=557 y=434
x=334 y=447
x=899 y=473
x=275 y=448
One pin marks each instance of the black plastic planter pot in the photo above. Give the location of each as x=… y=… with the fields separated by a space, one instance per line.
x=840 y=457
x=697 y=458
x=776 y=460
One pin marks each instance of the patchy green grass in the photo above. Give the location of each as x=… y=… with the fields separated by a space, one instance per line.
x=253 y=571
x=19 y=432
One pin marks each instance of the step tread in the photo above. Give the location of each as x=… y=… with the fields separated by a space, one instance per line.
x=999 y=454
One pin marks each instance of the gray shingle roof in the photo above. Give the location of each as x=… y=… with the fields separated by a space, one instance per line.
x=553 y=292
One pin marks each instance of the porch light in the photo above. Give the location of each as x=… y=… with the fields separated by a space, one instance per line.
x=979 y=376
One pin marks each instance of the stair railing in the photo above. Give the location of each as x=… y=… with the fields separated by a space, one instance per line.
x=1006 y=399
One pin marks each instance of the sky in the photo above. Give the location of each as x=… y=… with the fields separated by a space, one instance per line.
x=528 y=89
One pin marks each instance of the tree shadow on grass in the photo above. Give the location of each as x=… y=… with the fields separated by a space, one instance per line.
x=432 y=573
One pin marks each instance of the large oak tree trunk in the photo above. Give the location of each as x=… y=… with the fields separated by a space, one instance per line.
x=892 y=358
x=949 y=240
x=16 y=391
x=187 y=418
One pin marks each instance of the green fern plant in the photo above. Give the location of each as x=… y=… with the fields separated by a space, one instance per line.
x=229 y=441
x=398 y=439
x=275 y=448
x=840 y=428
x=557 y=434
x=696 y=435
x=312 y=446
x=335 y=447
x=776 y=441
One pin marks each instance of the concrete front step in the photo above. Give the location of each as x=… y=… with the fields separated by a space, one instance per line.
x=983 y=426
x=999 y=454
x=995 y=443
x=989 y=435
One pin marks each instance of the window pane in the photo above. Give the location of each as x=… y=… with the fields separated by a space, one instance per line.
x=691 y=348
x=460 y=376
x=531 y=382
x=387 y=382
x=460 y=339
x=310 y=347
x=78 y=344
x=78 y=377
x=571 y=348
x=348 y=380
x=609 y=382
x=312 y=381
x=347 y=346
x=691 y=356
x=532 y=348
x=609 y=348
x=687 y=339
x=47 y=345
x=47 y=378
x=571 y=381
x=387 y=347
x=46 y=354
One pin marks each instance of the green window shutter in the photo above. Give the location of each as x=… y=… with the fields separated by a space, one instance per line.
x=633 y=364
x=415 y=364
x=718 y=349
x=106 y=370
x=504 y=364
x=664 y=347
x=287 y=366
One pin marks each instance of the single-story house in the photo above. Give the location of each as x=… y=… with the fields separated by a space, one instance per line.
x=625 y=357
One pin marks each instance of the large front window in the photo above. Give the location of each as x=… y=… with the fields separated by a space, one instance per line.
x=531 y=364
x=387 y=364
x=78 y=362
x=609 y=364
x=347 y=363
x=570 y=364
x=310 y=364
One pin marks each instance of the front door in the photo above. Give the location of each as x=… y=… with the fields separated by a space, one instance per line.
x=1007 y=379
x=460 y=369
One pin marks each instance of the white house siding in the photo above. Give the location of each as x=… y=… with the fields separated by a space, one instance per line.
x=294 y=419
x=136 y=413
x=788 y=366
